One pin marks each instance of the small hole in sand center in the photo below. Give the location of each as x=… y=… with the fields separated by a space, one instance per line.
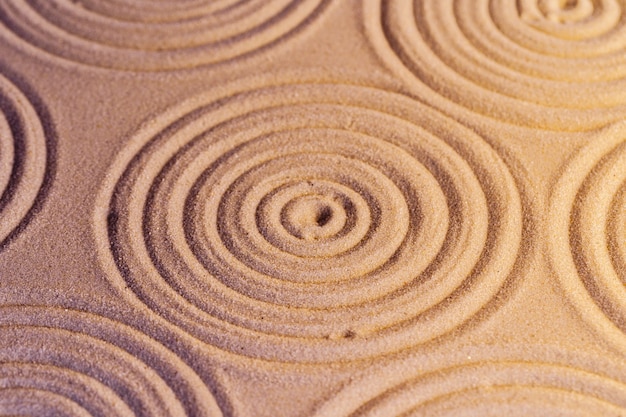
x=569 y=4
x=313 y=217
x=349 y=334
x=324 y=214
x=312 y=212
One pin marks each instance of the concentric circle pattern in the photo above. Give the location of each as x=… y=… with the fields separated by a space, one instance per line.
x=149 y=35
x=483 y=387
x=295 y=223
x=588 y=238
x=58 y=362
x=540 y=63
x=22 y=158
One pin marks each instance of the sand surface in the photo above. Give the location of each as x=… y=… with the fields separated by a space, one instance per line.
x=313 y=208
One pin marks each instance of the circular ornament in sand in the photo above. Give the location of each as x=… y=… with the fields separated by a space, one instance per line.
x=486 y=381
x=62 y=362
x=309 y=222
x=145 y=35
x=540 y=63
x=23 y=159
x=588 y=232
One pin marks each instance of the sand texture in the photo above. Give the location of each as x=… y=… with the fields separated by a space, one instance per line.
x=312 y=208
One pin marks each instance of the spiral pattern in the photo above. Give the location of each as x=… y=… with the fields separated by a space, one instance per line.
x=588 y=228
x=22 y=158
x=152 y=36
x=479 y=386
x=295 y=223
x=552 y=64
x=59 y=362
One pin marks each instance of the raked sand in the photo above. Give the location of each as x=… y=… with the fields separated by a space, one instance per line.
x=312 y=208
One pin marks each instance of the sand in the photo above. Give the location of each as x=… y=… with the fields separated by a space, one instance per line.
x=312 y=208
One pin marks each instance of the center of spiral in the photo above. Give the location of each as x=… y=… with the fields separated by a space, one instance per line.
x=566 y=11
x=313 y=217
x=568 y=4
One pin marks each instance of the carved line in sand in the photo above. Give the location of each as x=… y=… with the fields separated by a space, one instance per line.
x=63 y=362
x=298 y=223
x=588 y=231
x=22 y=158
x=487 y=382
x=549 y=64
x=152 y=36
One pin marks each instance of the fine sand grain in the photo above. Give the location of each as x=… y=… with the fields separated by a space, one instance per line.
x=312 y=208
